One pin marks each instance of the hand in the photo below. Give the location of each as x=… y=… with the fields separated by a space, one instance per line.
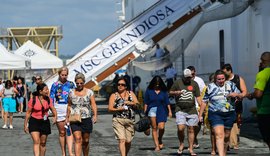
x=249 y=96
x=232 y=95
x=178 y=92
x=170 y=114
x=94 y=119
x=67 y=121
x=129 y=103
x=200 y=118
x=26 y=130
x=54 y=120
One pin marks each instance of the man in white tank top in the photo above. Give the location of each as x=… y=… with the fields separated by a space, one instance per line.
x=201 y=85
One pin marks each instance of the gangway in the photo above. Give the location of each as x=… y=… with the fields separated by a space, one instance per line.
x=118 y=49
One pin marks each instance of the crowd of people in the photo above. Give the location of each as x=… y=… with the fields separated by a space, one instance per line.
x=74 y=109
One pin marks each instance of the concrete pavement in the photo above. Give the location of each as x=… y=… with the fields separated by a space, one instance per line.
x=16 y=143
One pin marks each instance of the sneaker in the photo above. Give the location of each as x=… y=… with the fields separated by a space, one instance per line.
x=10 y=127
x=195 y=146
x=4 y=127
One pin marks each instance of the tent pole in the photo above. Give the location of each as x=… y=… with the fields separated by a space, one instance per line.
x=26 y=97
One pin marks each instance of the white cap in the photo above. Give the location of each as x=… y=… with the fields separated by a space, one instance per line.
x=187 y=73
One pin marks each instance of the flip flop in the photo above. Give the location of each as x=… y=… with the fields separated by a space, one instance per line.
x=179 y=152
x=193 y=154
x=161 y=146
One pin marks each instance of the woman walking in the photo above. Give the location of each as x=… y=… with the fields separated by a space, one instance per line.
x=9 y=103
x=59 y=94
x=22 y=91
x=82 y=102
x=157 y=107
x=122 y=103
x=36 y=120
x=221 y=111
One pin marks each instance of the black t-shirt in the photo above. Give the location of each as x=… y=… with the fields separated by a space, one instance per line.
x=185 y=102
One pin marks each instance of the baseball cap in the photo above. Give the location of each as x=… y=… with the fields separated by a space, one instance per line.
x=187 y=73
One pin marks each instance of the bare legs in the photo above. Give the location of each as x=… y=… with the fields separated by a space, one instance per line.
x=85 y=143
x=62 y=139
x=213 y=141
x=6 y=118
x=39 y=143
x=124 y=147
x=181 y=136
x=78 y=143
x=222 y=139
x=157 y=133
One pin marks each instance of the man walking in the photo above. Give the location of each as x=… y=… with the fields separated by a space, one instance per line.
x=262 y=95
x=186 y=91
x=201 y=85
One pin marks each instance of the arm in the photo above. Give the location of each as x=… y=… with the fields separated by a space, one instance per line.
x=199 y=100
x=175 y=93
x=256 y=94
x=170 y=110
x=25 y=90
x=15 y=90
x=202 y=107
x=27 y=117
x=243 y=88
x=54 y=113
x=68 y=110
x=134 y=102
x=110 y=106
x=94 y=108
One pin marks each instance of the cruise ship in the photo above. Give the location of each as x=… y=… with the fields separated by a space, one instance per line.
x=236 y=34
x=202 y=33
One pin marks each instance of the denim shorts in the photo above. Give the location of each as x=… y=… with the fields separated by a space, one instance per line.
x=225 y=119
x=152 y=112
x=20 y=99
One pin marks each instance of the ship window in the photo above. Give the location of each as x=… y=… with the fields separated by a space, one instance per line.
x=221 y=48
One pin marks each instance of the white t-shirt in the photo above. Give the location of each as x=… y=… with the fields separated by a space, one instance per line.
x=201 y=85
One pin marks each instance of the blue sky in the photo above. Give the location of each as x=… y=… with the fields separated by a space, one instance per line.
x=82 y=20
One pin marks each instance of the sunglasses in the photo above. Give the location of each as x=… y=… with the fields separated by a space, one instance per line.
x=221 y=79
x=80 y=83
x=38 y=78
x=121 y=84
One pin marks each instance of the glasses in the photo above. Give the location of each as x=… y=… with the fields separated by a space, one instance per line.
x=80 y=83
x=121 y=84
x=38 y=78
x=63 y=75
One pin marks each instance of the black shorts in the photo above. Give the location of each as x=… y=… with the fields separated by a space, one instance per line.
x=263 y=120
x=86 y=126
x=39 y=125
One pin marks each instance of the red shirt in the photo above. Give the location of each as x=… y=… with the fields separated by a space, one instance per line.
x=37 y=109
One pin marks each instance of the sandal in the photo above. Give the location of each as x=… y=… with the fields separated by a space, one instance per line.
x=179 y=152
x=193 y=154
x=161 y=146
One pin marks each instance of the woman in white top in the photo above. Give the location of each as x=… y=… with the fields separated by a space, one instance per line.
x=9 y=103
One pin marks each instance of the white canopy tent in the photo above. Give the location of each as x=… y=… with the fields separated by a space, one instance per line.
x=40 y=58
x=10 y=61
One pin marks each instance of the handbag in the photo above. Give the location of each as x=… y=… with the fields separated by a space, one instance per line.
x=75 y=117
x=143 y=124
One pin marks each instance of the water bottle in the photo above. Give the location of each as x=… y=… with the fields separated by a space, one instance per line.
x=68 y=129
